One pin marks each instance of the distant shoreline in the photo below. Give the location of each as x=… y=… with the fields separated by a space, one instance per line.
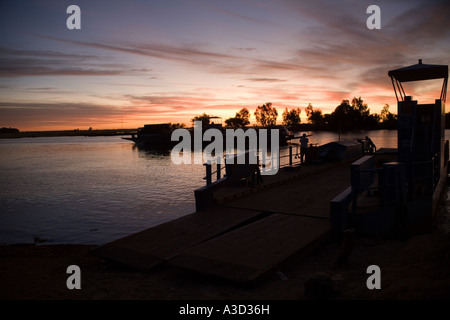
x=65 y=133
x=111 y=132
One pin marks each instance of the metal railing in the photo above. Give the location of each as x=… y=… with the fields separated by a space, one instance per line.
x=288 y=156
x=210 y=173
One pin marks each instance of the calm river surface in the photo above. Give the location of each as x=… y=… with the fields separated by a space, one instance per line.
x=92 y=190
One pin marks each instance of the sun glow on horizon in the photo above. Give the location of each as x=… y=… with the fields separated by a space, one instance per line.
x=165 y=62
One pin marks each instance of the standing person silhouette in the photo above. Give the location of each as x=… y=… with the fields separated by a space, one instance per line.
x=303 y=147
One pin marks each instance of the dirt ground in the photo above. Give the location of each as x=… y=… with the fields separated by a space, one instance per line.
x=417 y=268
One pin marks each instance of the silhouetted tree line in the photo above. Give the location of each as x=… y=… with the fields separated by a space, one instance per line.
x=348 y=115
x=354 y=115
x=8 y=130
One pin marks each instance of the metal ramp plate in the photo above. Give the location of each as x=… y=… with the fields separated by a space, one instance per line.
x=250 y=252
x=150 y=247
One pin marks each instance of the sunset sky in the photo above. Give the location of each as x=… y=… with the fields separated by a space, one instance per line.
x=138 y=62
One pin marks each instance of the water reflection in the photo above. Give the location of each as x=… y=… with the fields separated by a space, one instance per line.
x=62 y=188
x=145 y=152
x=97 y=189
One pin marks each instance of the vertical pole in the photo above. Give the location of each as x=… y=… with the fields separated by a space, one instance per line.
x=290 y=156
x=208 y=173
x=279 y=158
x=218 y=171
x=263 y=161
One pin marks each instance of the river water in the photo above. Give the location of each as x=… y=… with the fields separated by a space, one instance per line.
x=92 y=190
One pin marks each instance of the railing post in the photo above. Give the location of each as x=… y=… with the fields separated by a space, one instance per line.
x=208 y=173
x=218 y=168
x=279 y=158
x=290 y=156
x=263 y=156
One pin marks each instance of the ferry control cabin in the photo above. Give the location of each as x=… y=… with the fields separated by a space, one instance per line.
x=399 y=193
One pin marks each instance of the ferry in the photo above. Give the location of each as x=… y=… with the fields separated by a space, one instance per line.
x=153 y=136
x=159 y=136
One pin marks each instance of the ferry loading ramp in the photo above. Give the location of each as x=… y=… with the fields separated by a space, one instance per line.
x=243 y=237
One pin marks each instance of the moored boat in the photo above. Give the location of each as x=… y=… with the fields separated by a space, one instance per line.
x=159 y=136
x=153 y=135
